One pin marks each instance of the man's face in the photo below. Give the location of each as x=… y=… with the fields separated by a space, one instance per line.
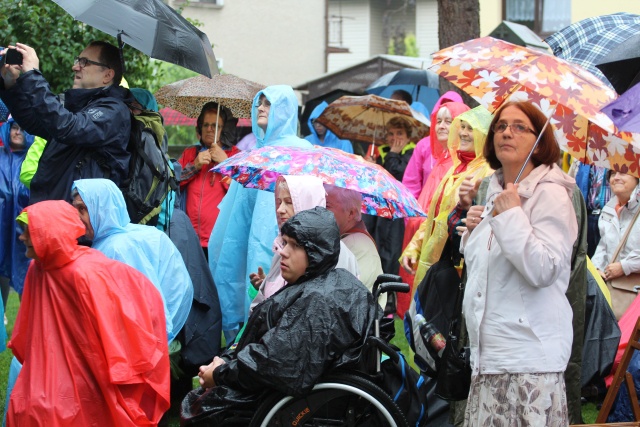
x=78 y=203
x=91 y=76
x=25 y=238
x=294 y=260
x=344 y=218
x=16 y=135
x=208 y=136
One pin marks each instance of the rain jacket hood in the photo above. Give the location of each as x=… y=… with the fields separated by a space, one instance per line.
x=5 y=135
x=306 y=192
x=330 y=138
x=55 y=246
x=454 y=104
x=142 y=247
x=106 y=358
x=282 y=126
x=317 y=232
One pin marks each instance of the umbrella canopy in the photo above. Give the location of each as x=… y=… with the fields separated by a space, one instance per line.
x=423 y=85
x=494 y=72
x=588 y=41
x=150 y=26
x=189 y=96
x=172 y=117
x=383 y=195
x=313 y=103
x=364 y=118
x=625 y=111
x=622 y=64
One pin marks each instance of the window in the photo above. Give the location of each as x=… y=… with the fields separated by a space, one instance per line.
x=544 y=17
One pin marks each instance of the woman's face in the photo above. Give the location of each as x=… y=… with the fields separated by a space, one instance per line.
x=443 y=123
x=466 y=136
x=512 y=148
x=264 y=106
x=398 y=136
x=284 y=203
x=622 y=185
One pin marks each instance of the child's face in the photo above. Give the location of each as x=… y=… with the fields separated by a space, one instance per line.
x=294 y=261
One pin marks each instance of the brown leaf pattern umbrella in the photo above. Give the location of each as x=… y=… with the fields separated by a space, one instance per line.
x=364 y=118
x=189 y=96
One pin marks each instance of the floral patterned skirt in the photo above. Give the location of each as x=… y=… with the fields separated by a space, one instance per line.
x=517 y=400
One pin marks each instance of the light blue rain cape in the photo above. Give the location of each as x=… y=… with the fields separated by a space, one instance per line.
x=14 y=197
x=243 y=235
x=142 y=247
x=330 y=138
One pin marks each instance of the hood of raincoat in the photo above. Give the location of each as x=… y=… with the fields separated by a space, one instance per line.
x=454 y=104
x=283 y=116
x=317 y=232
x=479 y=118
x=330 y=138
x=106 y=206
x=5 y=135
x=306 y=192
x=145 y=98
x=54 y=227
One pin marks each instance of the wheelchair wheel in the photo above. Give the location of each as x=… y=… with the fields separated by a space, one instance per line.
x=339 y=400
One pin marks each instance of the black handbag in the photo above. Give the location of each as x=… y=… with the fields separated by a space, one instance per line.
x=454 y=371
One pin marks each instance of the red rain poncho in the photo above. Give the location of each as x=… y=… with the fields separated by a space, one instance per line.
x=90 y=334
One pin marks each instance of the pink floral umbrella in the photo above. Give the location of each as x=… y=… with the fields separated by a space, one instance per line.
x=494 y=72
x=382 y=194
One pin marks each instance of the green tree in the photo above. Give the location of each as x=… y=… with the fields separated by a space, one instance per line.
x=58 y=38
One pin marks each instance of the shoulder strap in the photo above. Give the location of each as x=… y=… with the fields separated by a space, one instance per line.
x=626 y=236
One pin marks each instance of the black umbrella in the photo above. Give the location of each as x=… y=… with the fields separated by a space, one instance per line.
x=622 y=64
x=150 y=26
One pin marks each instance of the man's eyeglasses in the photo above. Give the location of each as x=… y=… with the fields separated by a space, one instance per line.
x=211 y=126
x=516 y=128
x=83 y=62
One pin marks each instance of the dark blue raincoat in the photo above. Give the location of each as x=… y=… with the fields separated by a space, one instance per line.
x=14 y=197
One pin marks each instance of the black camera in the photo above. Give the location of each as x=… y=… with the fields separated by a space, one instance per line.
x=12 y=57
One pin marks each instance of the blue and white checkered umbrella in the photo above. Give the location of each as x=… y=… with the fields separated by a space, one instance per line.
x=588 y=41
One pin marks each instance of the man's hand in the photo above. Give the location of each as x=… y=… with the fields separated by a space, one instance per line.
x=467 y=192
x=217 y=153
x=206 y=372
x=203 y=158
x=506 y=200
x=256 y=279
x=10 y=73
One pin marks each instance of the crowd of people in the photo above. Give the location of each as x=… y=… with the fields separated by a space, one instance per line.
x=116 y=318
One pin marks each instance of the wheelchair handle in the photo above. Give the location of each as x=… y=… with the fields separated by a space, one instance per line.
x=383 y=278
x=390 y=287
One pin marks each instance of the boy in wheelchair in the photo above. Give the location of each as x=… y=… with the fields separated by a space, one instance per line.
x=317 y=323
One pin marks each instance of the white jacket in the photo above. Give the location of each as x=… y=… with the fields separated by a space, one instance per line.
x=518 y=265
x=612 y=229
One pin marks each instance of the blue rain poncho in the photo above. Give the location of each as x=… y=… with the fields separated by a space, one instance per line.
x=14 y=197
x=243 y=235
x=330 y=138
x=143 y=247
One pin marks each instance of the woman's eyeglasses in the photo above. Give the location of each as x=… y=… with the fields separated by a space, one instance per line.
x=516 y=128
x=83 y=62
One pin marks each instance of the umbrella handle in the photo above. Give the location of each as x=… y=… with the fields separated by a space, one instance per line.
x=535 y=145
x=120 y=46
x=372 y=150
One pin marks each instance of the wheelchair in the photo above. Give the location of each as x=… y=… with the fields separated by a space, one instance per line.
x=353 y=397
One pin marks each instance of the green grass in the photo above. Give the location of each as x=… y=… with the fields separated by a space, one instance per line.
x=589 y=410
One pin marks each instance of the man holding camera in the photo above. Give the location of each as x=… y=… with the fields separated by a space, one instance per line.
x=88 y=134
